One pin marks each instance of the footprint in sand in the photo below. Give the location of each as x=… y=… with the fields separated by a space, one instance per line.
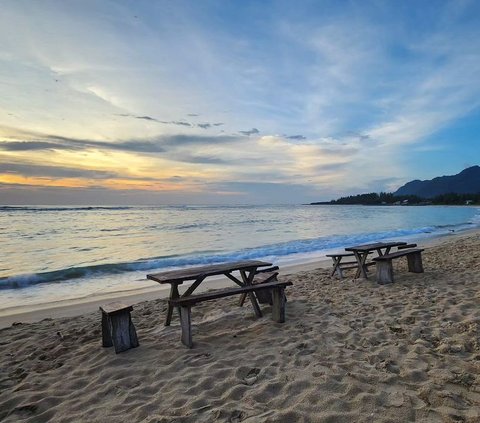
x=248 y=376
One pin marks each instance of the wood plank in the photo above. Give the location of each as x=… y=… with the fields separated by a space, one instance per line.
x=403 y=247
x=374 y=246
x=256 y=307
x=264 y=277
x=115 y=307
x=193 y=299
x=186 y=323
x=398 y=254
x=120 y=330
x=340 y=255
x=384 y=272
x=193 y=273
x=415 y=264
x=270 y=269
x=106 y=331
x=278 y=307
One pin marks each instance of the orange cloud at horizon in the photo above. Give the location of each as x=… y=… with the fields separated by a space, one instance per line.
x=113 y=184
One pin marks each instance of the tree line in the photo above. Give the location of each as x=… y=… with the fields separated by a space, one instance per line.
x=387 y=198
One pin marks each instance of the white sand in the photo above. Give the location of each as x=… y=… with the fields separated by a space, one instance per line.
x=349 y=351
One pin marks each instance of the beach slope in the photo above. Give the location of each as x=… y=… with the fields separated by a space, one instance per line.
x=348 y=351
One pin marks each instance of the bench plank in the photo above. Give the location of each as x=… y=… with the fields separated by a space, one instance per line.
x=193 y=299
x=404 y=247
x=385 y=267
x=115 y=308
x=397 y=254
x=185 y=304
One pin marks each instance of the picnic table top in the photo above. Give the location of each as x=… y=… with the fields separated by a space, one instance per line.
x=193 y=273
x=375 y=246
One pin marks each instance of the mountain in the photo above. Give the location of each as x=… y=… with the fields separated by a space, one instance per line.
x=465 y=182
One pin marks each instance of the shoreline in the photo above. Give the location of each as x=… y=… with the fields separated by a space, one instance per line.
x=80 y=306
x=406 y=351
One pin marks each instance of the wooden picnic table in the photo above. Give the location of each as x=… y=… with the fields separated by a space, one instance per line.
x=246 y=268
x=361 y=253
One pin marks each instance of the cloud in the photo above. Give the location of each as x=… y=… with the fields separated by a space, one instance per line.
x=179 y=123
x=250 y=132
x=33 y=145
x=159 y=144
x=147 y=118
x=54 y=171
x=364 y=90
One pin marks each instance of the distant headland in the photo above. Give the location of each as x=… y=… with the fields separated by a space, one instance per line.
x=462 y=188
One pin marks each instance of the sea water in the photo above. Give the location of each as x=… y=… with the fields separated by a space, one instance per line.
x=62 y=253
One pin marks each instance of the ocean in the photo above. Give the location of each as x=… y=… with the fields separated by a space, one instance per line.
x=62 y=253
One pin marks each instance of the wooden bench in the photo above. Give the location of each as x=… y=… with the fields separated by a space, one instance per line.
x=262 y=276
x=186 y=303
x=403 y=247
x=339 y=266
x=385 y=266
x=117 y=327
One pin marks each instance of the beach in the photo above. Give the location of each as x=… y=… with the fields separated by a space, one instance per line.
x=350 y=350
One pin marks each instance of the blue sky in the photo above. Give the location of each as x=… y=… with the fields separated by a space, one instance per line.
x=178 y=102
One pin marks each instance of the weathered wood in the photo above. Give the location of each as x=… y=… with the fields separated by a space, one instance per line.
x=340 y=255
x=385 y=266
x=193 y=273
x=264 y=297
x=117 y=327
x=106 y=332
x=186 y=303
x=384 y=272
x=173 y=294
x=268 y=270
x=397 y=254
x=194 y=299
x=403 y=247
x=415 y=264
x=247 y=269
x=186 y=324
x=264 y=276
x=374 y=246
x=338 y=266
x=278 y=307
x=115 y=307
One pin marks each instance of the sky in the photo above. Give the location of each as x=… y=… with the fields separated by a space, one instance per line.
x=233 y=102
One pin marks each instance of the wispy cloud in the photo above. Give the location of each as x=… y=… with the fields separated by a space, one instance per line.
x=361 y=91
x=252 y=131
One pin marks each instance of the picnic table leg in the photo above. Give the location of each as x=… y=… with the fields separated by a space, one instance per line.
x=278 y=308
x=247 y=280
x=173 y=295
x=336 y=268
x=193 y=286
x=256 y=307
x=186 y=323
x=361 y=259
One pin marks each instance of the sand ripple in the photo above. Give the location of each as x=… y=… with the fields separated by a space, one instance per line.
x=350 y=351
